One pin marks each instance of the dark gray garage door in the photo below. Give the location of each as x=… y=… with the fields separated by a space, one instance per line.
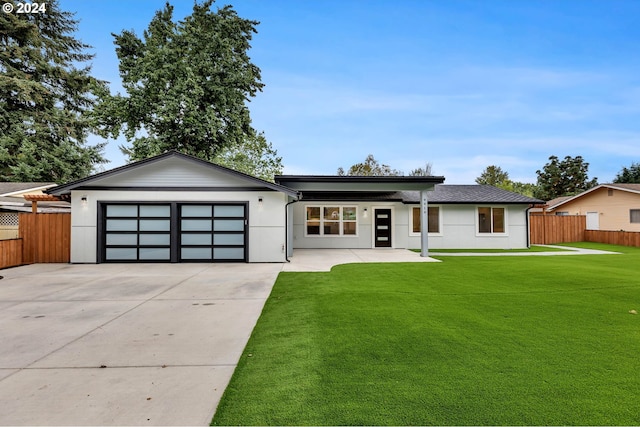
x=172 y=232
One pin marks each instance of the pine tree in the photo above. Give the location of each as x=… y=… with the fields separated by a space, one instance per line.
x=45 y=98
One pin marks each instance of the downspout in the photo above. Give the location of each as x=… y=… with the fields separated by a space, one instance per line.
x=526 y=212
x=286 y=226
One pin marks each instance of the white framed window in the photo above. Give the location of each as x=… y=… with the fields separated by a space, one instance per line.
x=435 y=220
x=491 y=220
x=331 y=220
x=634 y=216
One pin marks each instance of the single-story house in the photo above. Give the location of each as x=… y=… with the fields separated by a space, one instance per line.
x=178 y=208
x=611 y=207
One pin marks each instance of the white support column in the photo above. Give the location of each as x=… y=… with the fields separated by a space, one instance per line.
x=424 y=224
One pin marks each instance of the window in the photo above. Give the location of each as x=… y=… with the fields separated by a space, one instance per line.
x=634 y=216
x=331 y=221
x=434 y=219
x=491 y=220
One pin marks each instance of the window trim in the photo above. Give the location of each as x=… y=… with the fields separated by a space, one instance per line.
x=631 y=212
x=492 y=233
x=411 y=215
x=341 y=221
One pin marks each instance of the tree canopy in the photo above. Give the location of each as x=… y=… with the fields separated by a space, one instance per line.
x=493 y=175
x=630 y=175
x=46 y=92
x=187 y=87
x=370 y=167
x=565 y=177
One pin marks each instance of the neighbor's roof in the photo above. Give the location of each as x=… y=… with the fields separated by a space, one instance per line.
x=464 y=194
x=631 y=188
x=10 y=188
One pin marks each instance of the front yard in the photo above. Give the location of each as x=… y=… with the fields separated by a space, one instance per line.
x=469 y=341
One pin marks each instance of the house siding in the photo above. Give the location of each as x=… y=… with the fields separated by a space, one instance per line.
x=459 y=229
x=613 y=210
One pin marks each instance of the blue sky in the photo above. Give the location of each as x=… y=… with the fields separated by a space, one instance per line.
x=460 y=84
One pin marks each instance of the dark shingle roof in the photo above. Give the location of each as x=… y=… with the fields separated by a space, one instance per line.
x=460 y=194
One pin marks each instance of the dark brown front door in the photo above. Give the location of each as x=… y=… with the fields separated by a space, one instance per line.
x=382 y=226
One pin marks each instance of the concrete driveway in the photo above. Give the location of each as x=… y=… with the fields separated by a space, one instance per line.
x=118 y=344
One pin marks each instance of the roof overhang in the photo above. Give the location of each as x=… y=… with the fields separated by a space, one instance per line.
x=358 y=183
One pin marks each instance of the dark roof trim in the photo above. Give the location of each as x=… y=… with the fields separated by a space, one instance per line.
x=360 y=179
x=125 y=188
x=81 y=183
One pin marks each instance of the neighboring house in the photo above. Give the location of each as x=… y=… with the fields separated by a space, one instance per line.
x=12 y=201
x=607 y=207
x=177 y=208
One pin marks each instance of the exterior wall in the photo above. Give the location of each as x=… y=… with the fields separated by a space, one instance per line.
x=458 y=228
x=266 y=222
x=613 y=211
x=364 y=237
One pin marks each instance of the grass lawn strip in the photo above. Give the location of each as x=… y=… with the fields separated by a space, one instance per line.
x=470 y=341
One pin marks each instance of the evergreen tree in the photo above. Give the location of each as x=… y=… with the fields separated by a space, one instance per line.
x=566 y=177
x=493 y=175
x=45 y=98
x=630 y=175
x=187 y=84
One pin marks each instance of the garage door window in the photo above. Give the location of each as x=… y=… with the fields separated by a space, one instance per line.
x=138 y=233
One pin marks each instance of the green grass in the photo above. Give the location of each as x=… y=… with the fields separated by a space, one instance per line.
x=469 y=341
x=533 y=248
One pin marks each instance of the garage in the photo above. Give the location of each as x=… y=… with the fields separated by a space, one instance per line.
x=176 y=208
x=173 y=232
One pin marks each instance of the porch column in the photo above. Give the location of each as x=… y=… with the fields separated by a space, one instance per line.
x=424 y=224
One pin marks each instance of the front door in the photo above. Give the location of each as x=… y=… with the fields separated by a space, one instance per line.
x=382 y=224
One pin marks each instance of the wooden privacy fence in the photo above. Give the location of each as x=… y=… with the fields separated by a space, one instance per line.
x=44 y=237
x=624 y=238
x=550 y=229
x=10 y=253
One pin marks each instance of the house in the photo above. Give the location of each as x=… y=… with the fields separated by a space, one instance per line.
x=14 y=199
x=178 y=208
x=607 y=207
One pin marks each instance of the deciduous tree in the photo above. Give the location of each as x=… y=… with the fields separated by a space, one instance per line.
x=370 y=167
x=187 y=87
x=46 y=92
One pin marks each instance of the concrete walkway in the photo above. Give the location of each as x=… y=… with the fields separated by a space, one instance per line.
x=566 y=250
x=324 y=259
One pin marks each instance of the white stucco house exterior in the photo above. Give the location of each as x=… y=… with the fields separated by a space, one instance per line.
x=177 y=208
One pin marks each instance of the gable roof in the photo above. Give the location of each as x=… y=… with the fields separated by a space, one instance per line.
x=15 y=188
x=88 y=181
x=631 y=188
x=470 y=194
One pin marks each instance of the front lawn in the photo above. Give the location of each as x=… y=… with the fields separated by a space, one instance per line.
x=468 y=341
